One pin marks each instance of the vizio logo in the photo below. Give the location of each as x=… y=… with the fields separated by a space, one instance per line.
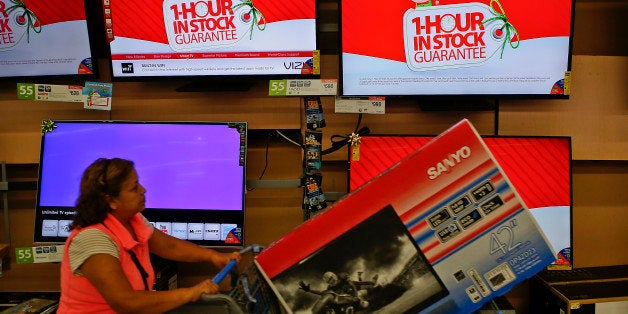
x=293 y=65
x=127 y=67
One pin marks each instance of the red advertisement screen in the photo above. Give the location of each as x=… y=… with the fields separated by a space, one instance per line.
x=44 y=38
x=456 y=47
x=211 y=37
x=538 y=167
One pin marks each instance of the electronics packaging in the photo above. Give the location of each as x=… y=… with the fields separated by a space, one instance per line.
x=441 y=231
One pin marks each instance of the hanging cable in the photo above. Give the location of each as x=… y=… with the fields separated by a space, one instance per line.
x=265 y=162
x=288 y=139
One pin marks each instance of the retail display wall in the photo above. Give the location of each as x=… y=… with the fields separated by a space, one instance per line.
x=595 y=116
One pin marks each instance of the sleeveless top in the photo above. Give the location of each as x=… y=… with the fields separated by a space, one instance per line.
x=78 y=295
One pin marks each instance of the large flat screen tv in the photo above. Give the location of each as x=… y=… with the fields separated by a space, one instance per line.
x=211 y=38
x=538 y=167
x=44 y=39
x=456 y=47
x=193 y=172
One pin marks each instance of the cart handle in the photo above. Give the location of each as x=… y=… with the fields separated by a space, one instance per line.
x=225 y=270
x=225 y=299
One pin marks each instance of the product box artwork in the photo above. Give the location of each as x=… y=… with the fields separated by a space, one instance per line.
x=442 y=231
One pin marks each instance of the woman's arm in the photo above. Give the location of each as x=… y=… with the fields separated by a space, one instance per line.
x=176 y=249
x=105 y=273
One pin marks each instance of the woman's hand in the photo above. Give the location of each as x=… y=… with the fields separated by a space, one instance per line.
x=222 y=259
x=205 y=287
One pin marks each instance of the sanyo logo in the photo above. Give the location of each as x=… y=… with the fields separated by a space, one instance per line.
x=451 y=161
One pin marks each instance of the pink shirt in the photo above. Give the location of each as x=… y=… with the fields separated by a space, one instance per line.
x=78 y=295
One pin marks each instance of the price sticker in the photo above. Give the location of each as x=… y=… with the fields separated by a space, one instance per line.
x=277 y=88
x=567 y=84
x=372 y=105
x=303 y=87
x=25 y=91
x=97 y=95
x=49 y=92
x=39 y=254
x=24 y=255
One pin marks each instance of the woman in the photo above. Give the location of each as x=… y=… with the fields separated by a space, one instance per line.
x=106 y=263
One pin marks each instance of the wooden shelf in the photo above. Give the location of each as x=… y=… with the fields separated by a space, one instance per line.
x=31 y=277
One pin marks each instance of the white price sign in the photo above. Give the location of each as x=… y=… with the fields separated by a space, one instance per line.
x=373 y=105
x=303 y=87
x=39 y=254
x=49 y=92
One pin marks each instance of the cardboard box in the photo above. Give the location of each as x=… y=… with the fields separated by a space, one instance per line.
x=441 y=231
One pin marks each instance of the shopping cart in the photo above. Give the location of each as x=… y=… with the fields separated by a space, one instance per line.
x=249 y=292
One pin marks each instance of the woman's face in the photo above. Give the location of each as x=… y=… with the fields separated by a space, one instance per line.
x=131 y=199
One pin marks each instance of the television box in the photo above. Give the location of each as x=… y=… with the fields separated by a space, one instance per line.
x=34 y=305
x=441 y=231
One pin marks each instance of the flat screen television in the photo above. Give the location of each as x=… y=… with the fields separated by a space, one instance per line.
x=211 y=38
x=538 y=167
x=44 y=39
x=193 y=172
x=456 y=48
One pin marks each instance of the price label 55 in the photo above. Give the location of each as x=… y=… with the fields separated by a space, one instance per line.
x=24 y=255
x=25 y=91
x=277 y=88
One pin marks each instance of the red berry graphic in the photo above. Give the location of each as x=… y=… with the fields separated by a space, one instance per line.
x=497 y=33
x=246 y=17
x=20 y=19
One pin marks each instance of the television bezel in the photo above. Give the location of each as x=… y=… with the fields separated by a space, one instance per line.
x=37 y=232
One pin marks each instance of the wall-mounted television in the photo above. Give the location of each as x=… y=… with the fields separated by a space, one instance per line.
x=538 y=167
x=44 y=39
x=194 y=174
x=211 y=38
x=456 y=48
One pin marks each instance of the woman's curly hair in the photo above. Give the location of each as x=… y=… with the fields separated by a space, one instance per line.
x=102 y=179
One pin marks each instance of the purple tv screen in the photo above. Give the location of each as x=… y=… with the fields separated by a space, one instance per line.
x=193 y=172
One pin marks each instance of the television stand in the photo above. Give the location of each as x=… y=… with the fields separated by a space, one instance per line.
x=217 y=85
